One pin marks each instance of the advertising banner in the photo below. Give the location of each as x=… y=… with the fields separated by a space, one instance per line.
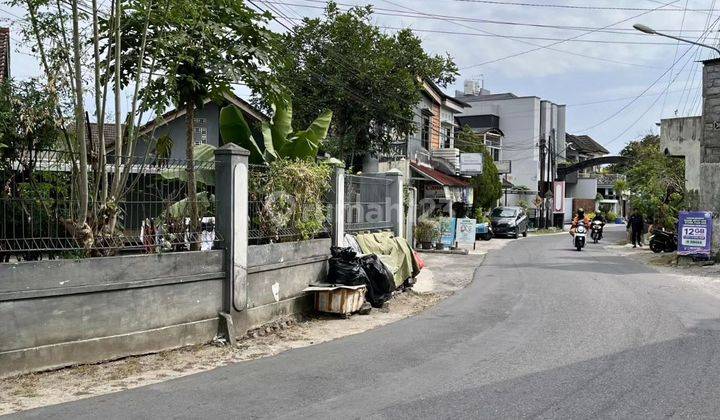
x=695 y=233
x=465 y=231
x=448 y=234
x=559 y=197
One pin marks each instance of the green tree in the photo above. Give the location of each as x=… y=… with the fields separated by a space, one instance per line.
x=655 y=182
x=487 y=186
x=202 y=49
x=371 y=80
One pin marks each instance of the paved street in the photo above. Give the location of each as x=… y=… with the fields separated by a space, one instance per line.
x=543 y=331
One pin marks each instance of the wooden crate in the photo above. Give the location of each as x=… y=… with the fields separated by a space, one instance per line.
x=337 y=298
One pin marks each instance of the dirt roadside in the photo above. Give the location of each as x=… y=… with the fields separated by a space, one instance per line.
x=54 y=387
x=706 y=277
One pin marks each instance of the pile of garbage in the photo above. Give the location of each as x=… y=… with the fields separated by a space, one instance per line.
x=380 y=261
x=347 y=268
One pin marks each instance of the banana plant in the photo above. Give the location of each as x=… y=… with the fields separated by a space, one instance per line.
x=204 y=158
x=278 y=139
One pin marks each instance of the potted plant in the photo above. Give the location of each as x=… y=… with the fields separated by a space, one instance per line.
x=426 y=232
x=483 y=230
x=443 y=228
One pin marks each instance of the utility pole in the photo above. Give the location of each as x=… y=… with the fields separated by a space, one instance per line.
x=551 y=175
x=541 y=186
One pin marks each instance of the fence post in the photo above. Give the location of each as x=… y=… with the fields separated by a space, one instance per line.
x=411 y=216
x=395 y=200
x=231 y=197
x=338 y=220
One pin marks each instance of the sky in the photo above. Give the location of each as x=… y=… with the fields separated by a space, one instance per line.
x=617 y=82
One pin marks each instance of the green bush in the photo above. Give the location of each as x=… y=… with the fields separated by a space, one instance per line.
x=480 y=216
x=427 y=230
x=611 y=216
x=291 y=194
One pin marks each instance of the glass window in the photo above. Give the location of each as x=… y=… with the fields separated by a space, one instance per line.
x=447 y=136
x=503 y=212
x=425 y=132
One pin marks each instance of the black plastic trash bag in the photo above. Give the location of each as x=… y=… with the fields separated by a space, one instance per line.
x=345 y=268
x=380 y=280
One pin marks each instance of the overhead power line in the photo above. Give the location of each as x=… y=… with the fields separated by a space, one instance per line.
x=576 y=7
x=383 y=11
x=535 y=38
x=549 y=46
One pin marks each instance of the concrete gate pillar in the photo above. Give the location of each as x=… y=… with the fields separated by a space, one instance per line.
x=231 y=221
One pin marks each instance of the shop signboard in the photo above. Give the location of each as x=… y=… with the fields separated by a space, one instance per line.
x=471 y=163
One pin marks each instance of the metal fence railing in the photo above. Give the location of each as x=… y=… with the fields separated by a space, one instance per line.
x=39 y=203
x=277 y=215
x=367 y=203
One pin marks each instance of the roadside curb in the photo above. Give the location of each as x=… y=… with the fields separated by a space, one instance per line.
x=443 y=251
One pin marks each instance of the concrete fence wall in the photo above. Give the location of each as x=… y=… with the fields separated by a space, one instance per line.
x=64 y=312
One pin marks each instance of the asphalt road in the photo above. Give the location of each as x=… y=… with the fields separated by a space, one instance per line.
x=543 y=331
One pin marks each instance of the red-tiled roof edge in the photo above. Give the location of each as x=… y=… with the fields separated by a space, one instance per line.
x=440 y=177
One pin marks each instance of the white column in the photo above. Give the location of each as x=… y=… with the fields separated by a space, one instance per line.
x=395 y=199
x=338 y=221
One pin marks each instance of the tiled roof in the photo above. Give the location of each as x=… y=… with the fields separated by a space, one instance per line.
x=109 y=133
x=4 y=53
x=439 y=177
x=254 y=114
x=585 y=144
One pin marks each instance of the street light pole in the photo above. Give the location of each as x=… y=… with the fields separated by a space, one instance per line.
x=650 y=31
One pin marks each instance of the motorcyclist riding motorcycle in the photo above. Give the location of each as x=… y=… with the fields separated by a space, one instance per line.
x=580 y=216
x=578 y=230
x=598 y=223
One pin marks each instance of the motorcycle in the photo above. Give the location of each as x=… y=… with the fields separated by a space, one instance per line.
x=662 y=241
x=597 y=230
x=579 y=238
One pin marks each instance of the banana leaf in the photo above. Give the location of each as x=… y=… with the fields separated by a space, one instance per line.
x=281 y=124
x=182 y=208
x=234 y=129
x=204 y=157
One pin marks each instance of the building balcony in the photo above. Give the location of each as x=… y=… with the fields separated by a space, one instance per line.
x=396 y=151
x=608 y=180
x=451 y=156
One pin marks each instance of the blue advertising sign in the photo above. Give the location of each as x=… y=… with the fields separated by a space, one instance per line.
x=448 y=234
x=695 y=233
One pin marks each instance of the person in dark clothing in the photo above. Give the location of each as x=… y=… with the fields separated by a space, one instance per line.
x=636 y=225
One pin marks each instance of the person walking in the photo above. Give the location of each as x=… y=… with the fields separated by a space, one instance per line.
x=636 y=225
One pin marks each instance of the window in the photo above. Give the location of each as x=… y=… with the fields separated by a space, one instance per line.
x=200 y=135
x=447 y=137
x=425 y=132
x=495 y=153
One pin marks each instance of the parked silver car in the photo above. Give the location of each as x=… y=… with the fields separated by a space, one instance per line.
x=509 y=221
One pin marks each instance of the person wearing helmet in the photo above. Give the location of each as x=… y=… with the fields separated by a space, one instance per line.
x=580 y=216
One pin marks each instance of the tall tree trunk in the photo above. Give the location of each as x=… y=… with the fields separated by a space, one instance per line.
x=191 y=185
x=118 y=108
x=101 y=187
x=80 y=120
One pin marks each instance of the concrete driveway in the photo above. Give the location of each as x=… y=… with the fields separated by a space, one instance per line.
x=542 y=331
